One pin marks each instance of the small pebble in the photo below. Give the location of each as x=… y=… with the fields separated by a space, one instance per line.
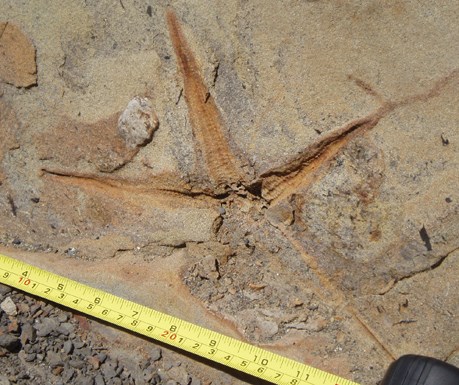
x=54 y=359
x=67 y=348
x=63 y=317
x=57 y=370
x=84 y=381
x=102 y=357
x=9 y=307
x=94 y=362
x=148 y=374
x=77 y=364
x=155 y=354
x=143 y=364
x=179 y=374
x=35 y=308
x=10 y=342
x=118 y=371
x=13 y=326
x=65 y=328
x=48 y=309
x=83 y=352
x=30 y=357
x=72 y=251
x=78 y=344
x=4 y=289
x=28 y=333
x=68 y=375
x=46 y=327
x=99 y=380
x=23 y=307
x=108 y=370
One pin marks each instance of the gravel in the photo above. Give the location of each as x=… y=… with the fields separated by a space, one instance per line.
x=43 y=344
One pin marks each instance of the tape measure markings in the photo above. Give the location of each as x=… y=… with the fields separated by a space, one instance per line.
x=162 y=327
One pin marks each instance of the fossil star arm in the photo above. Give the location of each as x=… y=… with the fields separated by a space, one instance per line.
x=280 y=182
x=220 y=163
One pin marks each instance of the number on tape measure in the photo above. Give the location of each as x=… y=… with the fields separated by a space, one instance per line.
x=171 y=330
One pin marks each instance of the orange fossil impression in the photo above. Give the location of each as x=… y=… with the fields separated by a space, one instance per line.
x=221 y=171
x=220 y=166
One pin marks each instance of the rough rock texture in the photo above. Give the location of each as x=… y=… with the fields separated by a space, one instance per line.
x=9 y=129
x=414 y=307
x=301 y=191
x=17 y=57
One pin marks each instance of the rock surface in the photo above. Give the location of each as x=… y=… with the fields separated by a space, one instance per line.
x=338 y=227
x=17 y=57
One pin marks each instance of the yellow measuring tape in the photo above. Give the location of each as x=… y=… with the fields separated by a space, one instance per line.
x=162 y=327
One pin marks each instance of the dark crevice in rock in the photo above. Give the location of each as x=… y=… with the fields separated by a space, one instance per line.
x=432 y=267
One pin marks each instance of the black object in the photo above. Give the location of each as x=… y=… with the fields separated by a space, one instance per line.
x=420 y=370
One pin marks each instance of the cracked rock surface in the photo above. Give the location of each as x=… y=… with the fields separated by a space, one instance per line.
x=287 y=173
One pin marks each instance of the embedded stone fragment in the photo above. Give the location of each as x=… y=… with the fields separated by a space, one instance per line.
x=17 y=57
x=9 y=307
x=138 y=122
